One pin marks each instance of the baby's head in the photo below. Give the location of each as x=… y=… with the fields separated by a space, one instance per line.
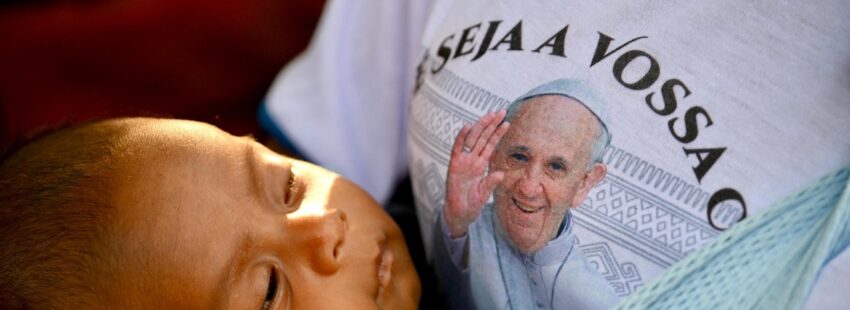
x=151 y=213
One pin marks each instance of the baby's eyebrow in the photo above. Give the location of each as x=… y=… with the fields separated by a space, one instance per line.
x=241 y=256
x=235 y=266
x=250 y=161
x=248 y=137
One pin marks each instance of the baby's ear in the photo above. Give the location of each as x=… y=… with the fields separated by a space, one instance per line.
x=592 y=177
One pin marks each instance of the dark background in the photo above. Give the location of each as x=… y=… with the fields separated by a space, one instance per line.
x=64 y=62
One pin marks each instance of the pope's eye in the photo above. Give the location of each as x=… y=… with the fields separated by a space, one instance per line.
x=271 y=292
x=519 y=157
x=557 y=166
x=516 y=159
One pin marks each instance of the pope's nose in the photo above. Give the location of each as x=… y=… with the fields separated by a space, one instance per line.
x=530 y=186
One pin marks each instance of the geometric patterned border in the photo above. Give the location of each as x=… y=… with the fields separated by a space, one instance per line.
x=641 y=222
x=624 y=278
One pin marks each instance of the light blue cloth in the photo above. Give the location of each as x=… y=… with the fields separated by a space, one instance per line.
x=497 y=276
x=770 y=261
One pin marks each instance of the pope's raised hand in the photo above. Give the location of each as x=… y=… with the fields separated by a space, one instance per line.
x=468 y=185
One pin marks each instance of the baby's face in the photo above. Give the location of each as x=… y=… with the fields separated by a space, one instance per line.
x=208 y=220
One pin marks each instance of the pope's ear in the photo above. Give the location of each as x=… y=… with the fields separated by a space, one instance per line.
x=592 y=177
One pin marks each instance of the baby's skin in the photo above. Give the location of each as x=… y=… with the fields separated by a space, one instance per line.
x=207 y=220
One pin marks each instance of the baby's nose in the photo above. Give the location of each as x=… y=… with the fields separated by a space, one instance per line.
x=329 y=238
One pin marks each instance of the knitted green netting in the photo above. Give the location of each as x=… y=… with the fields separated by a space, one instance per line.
x=769 y=261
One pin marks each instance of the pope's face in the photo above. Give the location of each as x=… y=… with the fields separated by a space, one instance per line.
x=206 y=220
x=544 y=156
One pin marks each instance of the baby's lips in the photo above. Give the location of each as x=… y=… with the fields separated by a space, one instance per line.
x=385 y=267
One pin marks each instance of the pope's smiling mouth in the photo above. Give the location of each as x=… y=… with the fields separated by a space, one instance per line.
x=525 y=208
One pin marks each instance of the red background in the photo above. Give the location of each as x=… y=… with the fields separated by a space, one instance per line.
x=64 y=62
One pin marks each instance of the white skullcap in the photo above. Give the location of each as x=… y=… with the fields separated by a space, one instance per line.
x=577 y=90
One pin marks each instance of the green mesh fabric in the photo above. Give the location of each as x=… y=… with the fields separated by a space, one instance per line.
x=769 y=261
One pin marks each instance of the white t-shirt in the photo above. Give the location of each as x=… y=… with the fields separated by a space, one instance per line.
x=748 y=102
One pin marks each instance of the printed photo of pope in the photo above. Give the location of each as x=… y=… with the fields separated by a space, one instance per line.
x=539 y=159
